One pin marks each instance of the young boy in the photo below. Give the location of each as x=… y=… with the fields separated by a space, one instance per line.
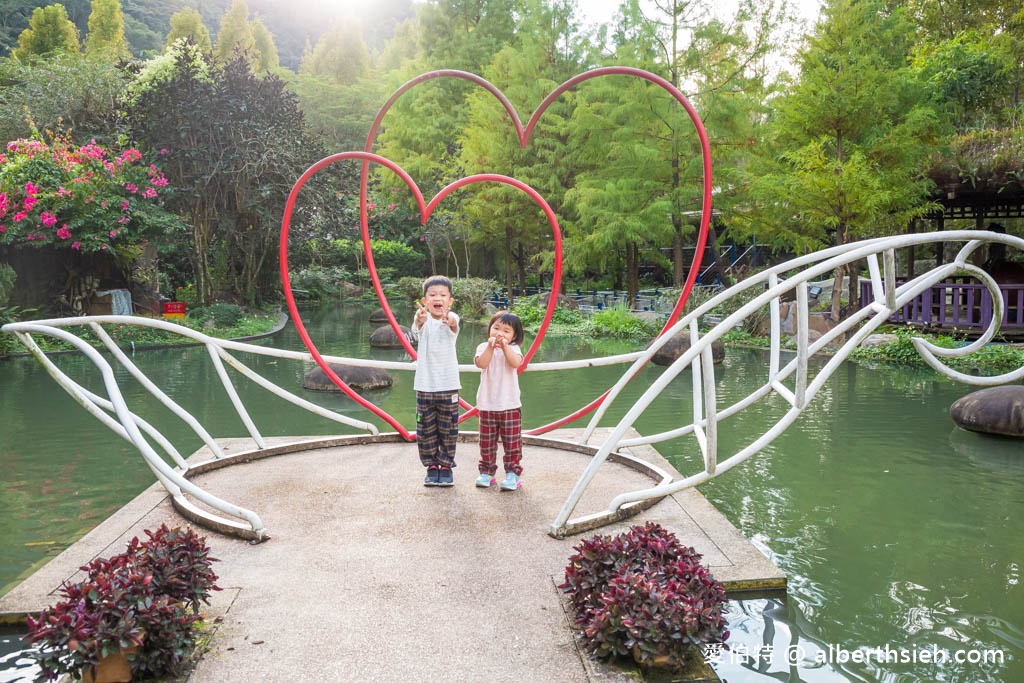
x=437 y=381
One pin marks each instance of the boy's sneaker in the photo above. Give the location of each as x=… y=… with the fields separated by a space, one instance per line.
x=511 y=482
x=433 y=474
x=444 y=477
x=485 y=481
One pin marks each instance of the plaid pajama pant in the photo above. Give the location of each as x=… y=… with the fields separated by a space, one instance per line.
x=437 y=427
x=508 y=425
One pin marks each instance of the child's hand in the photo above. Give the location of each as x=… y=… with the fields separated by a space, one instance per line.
x=499 y=342
x=421 y=313
x=491 y=341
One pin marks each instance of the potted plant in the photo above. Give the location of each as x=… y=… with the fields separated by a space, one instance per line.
x=643 y=594
x=134 y=613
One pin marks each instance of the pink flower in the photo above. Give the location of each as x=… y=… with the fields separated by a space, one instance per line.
x=148 y=193
x=131 y=155
x=48 y=219
x=103 y=246
x=30 y=202
x=113 y=233
x=3 y=228
x=123 y=219
x=30 y=189
x=76 y=245
x=64 y=233
x=131 y=188
x=124 y=205
x=20 y=216
x=164 y=151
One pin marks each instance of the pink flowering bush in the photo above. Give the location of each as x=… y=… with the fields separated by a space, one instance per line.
x=87 y=198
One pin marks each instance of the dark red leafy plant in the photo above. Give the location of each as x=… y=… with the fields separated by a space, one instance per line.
x=143 y=601
x=643 y=593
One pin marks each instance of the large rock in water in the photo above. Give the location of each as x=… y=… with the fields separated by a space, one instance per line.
x=680 y=344
x=356 y=377
x=385 y=338
x=563 y=301
x=379 y=316
x=997 y=410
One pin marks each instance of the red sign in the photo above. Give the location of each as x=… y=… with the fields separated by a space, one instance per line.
x=174 y=309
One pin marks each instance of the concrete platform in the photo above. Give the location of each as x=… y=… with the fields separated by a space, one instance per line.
x=368 y=575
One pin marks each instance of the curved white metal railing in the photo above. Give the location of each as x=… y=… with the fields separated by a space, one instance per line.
x=114 y=412
x=887 y=299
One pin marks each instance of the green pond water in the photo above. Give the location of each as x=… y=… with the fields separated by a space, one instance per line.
x=901 y=534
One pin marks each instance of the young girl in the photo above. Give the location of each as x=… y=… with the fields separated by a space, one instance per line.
x=498 y=401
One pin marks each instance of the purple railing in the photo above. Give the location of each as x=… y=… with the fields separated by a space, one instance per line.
x=954 y=303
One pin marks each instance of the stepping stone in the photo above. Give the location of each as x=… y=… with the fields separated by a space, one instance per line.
x=385 y=338
x=996 y=410
x=680 y=344
x=359 y=378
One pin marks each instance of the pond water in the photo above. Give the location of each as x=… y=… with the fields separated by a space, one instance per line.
x=901 y=535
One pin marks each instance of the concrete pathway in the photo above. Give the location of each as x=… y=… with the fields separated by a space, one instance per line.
x=370 y=576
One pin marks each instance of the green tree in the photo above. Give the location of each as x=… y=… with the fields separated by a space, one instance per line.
x=550 y=49
x=266 y=53
x=232 y=162
x=67 y=90
x=340 y=55
x=14 y=18
x=106 y=30
x=235 y=35
x=188 y=23
x=49 y=31
x=851 y=138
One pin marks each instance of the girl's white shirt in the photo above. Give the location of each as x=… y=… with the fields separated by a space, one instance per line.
x=437 y=368
x=499 y=381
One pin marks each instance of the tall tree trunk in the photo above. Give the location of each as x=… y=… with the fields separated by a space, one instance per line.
x=632 y=273
x=837 y=283
x=716 y=253
x=521 y=264
x=678 y=274
x=508 y=266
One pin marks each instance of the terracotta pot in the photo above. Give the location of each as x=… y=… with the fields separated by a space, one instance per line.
x=114 y=668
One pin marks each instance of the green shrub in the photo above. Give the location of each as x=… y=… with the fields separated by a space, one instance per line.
x=992 y=359
x=7 y=278
x=319 y=282
x=619 y=322
x=397 y=258
x=220 y=314
x=471 y=293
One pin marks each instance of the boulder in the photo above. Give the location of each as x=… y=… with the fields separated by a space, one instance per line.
x=996 y=410
x=679 y=344
x=879 y=340
x=358 y=378
x=379 y=316
x=350 y=290
x=563 y=301
x=385 y=338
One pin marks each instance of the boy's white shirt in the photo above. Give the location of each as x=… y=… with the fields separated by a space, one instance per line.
x=437 y=368
x=499 y=382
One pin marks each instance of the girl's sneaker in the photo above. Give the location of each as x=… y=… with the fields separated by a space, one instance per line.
x=485 y=481
x=511 y=482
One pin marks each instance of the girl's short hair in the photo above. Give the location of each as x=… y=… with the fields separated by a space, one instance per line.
x=437 y=280
x=510 y=319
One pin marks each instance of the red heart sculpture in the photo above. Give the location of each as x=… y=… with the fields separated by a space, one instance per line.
x=425 y=211
x=523 y=134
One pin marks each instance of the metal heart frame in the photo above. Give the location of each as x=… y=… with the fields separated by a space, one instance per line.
x=523 y=134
